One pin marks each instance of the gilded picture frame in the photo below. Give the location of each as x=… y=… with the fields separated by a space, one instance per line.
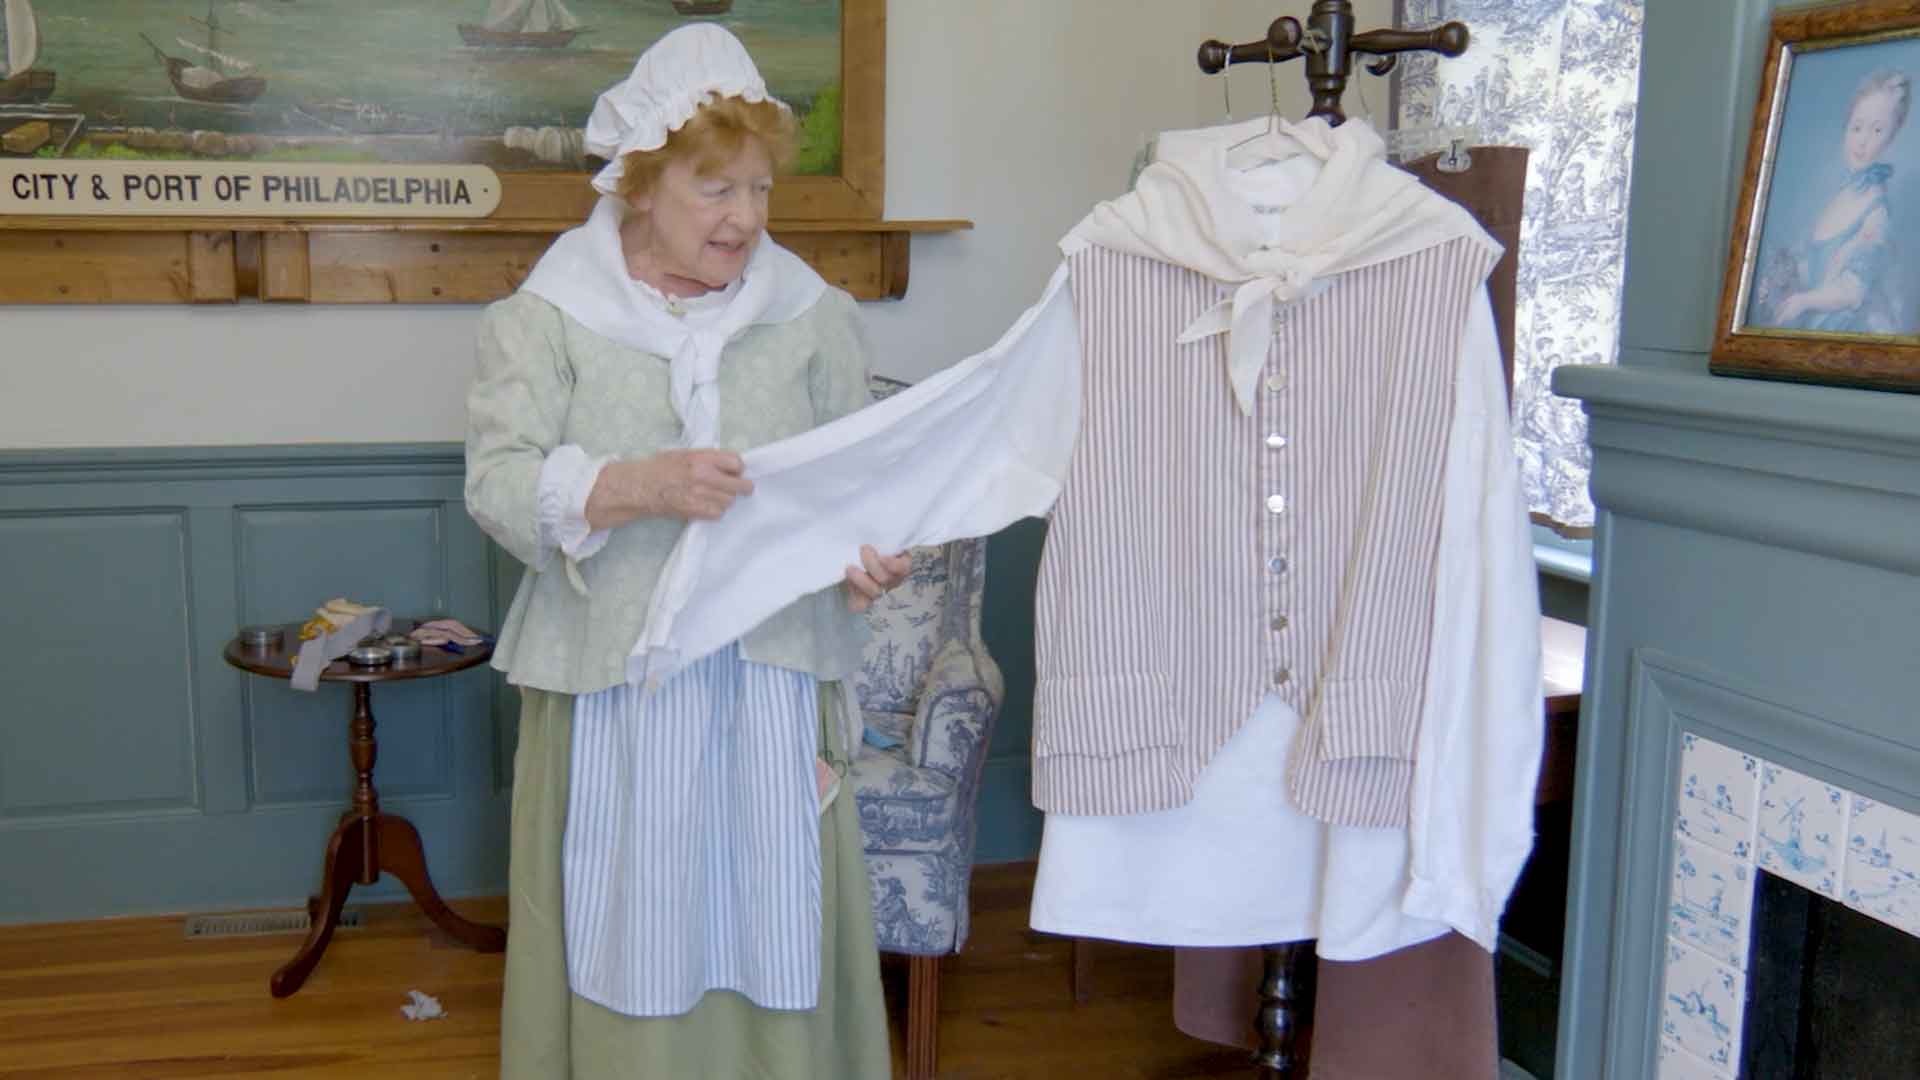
x=1822 y=283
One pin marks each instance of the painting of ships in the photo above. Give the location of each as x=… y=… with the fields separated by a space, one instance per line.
x=20 y=82
x=344 y=116
x=703 y=7
x=223 y=80
x=523 y=24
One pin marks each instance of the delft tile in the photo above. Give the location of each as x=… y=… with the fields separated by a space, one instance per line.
x=1677 y=1064
x=1883 y=864
x=1710 y=904
x=1803 y=829
x=1701 y=1006
x=1719 y=789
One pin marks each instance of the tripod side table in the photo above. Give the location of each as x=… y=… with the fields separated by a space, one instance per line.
x=366 y=842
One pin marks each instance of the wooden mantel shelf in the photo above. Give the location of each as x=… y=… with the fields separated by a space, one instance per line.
x=161 y=260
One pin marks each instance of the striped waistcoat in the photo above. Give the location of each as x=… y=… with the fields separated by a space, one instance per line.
x=1200 y=558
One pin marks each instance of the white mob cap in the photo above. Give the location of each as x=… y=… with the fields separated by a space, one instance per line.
x=682 y=71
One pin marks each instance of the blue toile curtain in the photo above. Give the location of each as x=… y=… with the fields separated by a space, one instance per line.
x=1562 y=78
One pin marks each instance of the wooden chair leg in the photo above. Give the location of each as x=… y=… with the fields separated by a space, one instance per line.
x=1285 y=1018
x=1082 y=971
x=923 y=1017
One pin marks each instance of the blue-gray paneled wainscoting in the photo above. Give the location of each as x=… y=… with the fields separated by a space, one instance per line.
x=141 y=774
x=138 y=772
x=1009 y=825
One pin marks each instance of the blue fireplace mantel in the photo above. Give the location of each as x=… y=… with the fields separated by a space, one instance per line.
x=1757 y=584
x=1756 y=574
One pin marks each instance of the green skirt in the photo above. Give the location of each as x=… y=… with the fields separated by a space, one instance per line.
x=549 y=1033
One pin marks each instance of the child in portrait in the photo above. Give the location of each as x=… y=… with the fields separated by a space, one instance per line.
x=1842 y=271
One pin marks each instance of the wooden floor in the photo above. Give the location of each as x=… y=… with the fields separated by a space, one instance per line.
x=134 y=998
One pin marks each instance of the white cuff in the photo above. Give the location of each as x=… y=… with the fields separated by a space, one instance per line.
x=566 y=480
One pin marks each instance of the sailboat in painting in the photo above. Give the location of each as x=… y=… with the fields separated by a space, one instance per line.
x=523 y=24
x=19 y=82
x=224 y=79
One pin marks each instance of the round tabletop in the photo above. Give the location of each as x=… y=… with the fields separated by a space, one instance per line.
x=277 y=661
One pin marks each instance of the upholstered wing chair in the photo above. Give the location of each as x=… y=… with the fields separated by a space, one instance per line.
x=930 y=694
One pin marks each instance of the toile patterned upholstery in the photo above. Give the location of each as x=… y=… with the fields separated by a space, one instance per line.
x=928 y=688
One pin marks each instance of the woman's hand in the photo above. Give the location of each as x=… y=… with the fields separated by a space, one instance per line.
x=692 y=485
x=876 y=574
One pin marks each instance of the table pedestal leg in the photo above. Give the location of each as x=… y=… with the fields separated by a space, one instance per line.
x=365 y=843
x=402 y=856
x=342 y=867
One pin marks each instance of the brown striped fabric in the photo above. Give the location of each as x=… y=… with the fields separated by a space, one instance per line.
x=1200 y=558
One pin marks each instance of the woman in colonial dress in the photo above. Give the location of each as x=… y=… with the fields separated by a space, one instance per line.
x=687 y=894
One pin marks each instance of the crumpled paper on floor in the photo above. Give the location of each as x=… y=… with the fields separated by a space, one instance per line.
x=424 y=1007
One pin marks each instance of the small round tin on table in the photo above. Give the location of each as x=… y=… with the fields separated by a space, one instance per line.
x=370 y=656
x=262 y=637
x=405 y=650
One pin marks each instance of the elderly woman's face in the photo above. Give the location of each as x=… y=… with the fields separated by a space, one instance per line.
x=704 y=226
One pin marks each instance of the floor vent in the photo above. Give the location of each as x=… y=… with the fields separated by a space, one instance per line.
x=257 y=923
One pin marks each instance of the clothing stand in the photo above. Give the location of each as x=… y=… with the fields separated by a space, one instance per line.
x=1329 y=44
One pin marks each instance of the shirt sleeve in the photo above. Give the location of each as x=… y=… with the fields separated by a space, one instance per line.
x=961 y=454
x=516 y=412
x=1482 y=728
x=566 y=481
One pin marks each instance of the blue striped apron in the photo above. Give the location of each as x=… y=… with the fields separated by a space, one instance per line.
x=691 y=858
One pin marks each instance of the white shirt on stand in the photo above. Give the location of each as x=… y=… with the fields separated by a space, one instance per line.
x=989 y=440
x=1239 y=865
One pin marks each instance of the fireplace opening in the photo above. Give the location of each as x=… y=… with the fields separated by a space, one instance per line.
x=1831 y=993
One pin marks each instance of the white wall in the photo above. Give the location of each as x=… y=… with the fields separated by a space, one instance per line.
x=1016 y=114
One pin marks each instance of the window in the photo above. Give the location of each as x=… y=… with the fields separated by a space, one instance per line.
x=1562 y=78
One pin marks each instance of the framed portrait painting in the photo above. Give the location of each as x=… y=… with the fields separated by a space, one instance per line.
x=1823 y=281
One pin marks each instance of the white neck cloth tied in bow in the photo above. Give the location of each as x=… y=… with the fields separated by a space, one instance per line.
x=585 y=275
x=1246 y=318
x=696 y=386
x=1358 y=211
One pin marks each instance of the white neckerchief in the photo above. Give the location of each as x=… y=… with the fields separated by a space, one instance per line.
x=1359 y=211
x=585 y=275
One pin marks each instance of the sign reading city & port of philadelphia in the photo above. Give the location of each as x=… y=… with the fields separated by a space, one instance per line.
x=53 y=187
